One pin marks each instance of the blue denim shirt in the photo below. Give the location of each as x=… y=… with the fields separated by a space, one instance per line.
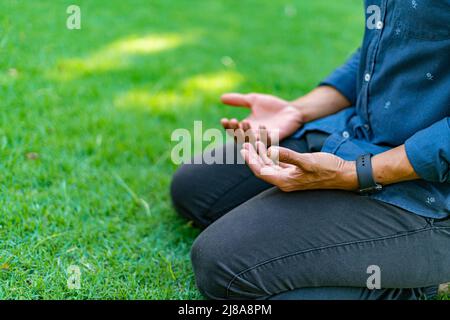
x=399 y=84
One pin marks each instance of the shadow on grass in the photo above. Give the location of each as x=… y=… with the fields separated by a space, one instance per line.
x=149 y=74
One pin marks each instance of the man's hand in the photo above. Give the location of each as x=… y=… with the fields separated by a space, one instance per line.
x=292 y=171
x=268 y=112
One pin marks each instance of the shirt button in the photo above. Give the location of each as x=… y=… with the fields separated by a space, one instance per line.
x=345 y=135
x=380 y=25
x=367 y=77
x=366 y=126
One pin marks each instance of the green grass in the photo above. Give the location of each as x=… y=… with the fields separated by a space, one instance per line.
x=97 y=106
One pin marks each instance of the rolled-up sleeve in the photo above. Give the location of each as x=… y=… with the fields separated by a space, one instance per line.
x=344 y=78
x=429 y=152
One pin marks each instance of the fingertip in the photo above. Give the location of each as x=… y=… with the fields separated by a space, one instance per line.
x=224 y=97
x=252 y=147
x=260 y=147
x=225 y=123
x=244 y=154
x=229 y=97
x=273 y=153
x=245 y=125
x=234 y=123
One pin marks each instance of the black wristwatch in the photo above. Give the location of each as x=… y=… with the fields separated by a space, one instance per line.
x=367 y=184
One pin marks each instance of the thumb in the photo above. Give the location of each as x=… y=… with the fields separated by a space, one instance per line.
x=235 y=99
x=288 y=156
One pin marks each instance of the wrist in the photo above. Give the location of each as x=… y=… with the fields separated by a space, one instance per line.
x=297 y=112
x=308 y=105
x=320 y=102
x=302 y=106
x=348 y=177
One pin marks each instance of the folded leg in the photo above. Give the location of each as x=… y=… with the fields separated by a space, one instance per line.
x=279 y=243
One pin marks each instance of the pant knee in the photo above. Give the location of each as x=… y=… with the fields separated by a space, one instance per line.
x=210 y=275
x=217 y=268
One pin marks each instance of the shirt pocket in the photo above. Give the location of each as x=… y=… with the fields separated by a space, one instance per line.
x=422 y=19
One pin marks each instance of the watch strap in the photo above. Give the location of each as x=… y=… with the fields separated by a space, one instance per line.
x=366 y=181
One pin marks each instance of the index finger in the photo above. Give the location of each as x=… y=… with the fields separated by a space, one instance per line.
x=235 y=99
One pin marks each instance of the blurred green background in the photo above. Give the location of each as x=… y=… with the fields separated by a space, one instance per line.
x=86 y=119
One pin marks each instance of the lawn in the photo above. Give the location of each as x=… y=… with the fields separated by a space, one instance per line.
x=87 y=115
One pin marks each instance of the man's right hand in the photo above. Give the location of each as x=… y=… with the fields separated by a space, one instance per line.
x=269 y=113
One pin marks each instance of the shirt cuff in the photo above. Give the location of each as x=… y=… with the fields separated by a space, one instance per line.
x=429 y=152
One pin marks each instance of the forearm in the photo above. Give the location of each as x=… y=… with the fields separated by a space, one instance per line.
x=388 y=167
x=393 y=166
x=320 y=102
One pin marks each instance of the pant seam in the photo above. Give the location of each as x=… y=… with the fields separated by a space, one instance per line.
x=438 y=227
x=343 y=244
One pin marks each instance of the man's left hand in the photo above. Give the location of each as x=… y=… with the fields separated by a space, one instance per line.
x=292 y=171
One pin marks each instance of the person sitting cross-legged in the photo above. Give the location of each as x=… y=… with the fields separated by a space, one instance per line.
x=362 y=182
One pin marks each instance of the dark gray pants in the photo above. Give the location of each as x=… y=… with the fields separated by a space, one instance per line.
x=261 y=243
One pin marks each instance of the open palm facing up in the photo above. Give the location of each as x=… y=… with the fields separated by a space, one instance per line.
x=292 y=171
x=269 y=114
